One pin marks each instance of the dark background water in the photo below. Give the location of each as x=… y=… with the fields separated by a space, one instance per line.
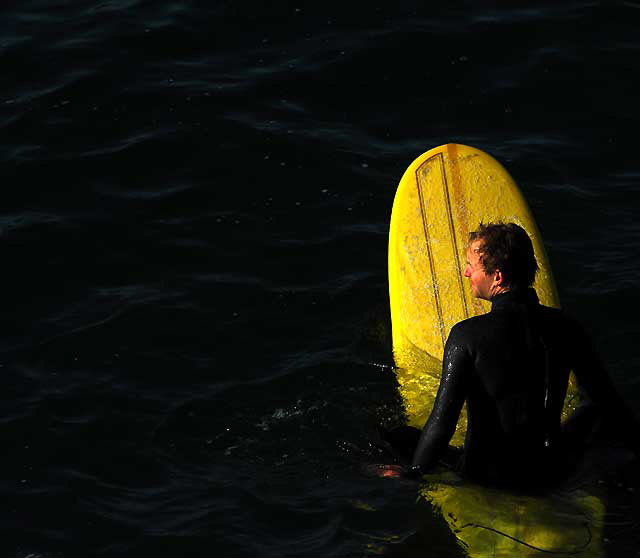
x=195 y=207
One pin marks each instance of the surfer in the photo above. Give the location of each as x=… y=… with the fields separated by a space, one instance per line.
x=511 y=366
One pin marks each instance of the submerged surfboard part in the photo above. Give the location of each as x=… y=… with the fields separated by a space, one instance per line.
x=491 y=522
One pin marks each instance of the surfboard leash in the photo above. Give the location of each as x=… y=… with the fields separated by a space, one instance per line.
x=533 y=547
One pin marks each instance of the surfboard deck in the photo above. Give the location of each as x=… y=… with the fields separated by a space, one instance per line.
x=443 y=196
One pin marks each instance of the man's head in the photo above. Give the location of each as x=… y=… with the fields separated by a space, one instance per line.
x=499 y=258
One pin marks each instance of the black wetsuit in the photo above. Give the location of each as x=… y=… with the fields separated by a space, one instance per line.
x=512 y=367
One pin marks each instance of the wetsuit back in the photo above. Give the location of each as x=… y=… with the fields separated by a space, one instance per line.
x=512 y=367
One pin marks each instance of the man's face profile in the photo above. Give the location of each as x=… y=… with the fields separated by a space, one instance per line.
x=482 y=285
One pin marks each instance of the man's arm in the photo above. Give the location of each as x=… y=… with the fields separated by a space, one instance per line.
x=441 y=425
x=602 y=407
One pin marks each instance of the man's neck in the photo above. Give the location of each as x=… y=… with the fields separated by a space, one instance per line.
x=498 y=290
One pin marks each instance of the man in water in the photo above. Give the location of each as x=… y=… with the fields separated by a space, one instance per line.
x=511 y=366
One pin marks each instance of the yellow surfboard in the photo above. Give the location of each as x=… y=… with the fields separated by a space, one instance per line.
x=443 y=196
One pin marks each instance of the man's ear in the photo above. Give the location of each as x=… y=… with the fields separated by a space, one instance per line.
x=498 y=279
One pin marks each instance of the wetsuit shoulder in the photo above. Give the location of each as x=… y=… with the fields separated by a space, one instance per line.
x=472 y=333
x=467 y=328
x=560 y=322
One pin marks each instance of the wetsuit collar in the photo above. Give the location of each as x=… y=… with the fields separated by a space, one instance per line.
x=514 y=296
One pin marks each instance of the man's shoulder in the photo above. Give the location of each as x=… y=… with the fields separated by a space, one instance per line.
x=471 y=324
x=485 y=323
x=557 y=314
x=469 y=333
x=562 y=323
x=551 y=310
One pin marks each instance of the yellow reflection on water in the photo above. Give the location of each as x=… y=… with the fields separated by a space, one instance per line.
x=496 y=523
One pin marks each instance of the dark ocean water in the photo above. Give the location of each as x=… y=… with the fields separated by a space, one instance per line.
x=194 y=218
